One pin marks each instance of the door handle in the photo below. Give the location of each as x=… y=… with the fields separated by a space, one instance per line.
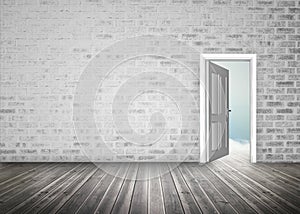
x=229 y=110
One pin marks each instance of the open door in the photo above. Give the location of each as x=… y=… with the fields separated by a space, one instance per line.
x=218 y=112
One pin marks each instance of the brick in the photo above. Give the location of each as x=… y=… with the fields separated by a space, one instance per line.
x=285 y=57
x=285 y=84
x=265 y=97
x=294 y=37
x=286 y=3
x=274 y=104
x=285 y=111
x=283 y=150
x=7 y=111
x=294 y=24
x=275 y=144
x=7 y=151
x=274 y=157
x=293 y=143
x=276 y=10
x=274 y=131
x=285 y=30
x=274 y=117
x=264 y=137
x=293 y=157
x=294 y=10
x=286 y=44
x=265 y=3
x=293 y=90
x=284 y=137
x=256 y=9
x=293 y=130
x=295 y=64
x=294 y=50
x=285 y=97
x=284 y=124
x=265 y=30
x=285 y=17
x=276 y=24
x=276 y=77
x=264 y=111
x=293 y=104
x=294 y=77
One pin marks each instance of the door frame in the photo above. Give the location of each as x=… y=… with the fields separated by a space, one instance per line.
x=204 y=100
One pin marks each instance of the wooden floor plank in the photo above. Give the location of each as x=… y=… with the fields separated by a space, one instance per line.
x=240 y=188
x=268 y=174
x=23 y=180
x=275 y=202
x=6 y=165
x=112 y=192
x=39 y=183
x=232 y=197
x=172 y=201
x=236 y=187
x=73 y=204
x=139 y=203
x=202 y=199
x=66 y=190
x=269 y=169
x=187 y=198
x=36 y=201
x=16 y=170
x=123 y=201
x=92 y=201
x=255 y=176
x=215 y=196
x=155 y=194
x=227 y=185
x=290 y=169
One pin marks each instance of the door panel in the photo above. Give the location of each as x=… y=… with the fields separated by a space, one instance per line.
x=218 y=111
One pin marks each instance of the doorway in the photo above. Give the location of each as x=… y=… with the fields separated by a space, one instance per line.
x=220 y=93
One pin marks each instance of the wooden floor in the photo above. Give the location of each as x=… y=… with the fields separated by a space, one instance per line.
x=228 y=185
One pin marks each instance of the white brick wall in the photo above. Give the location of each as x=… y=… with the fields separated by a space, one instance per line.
x=46 y=44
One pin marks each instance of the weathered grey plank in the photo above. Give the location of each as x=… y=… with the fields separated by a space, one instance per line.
x=190 y=188
x=203 y=201
x=218 y=199
x=155 y=195
x=16 y=170
x=265 y=195
x=38 y=183
x=172 y=202
x=240 y=188
x=186 y=196
x=92 y=201
x=73 y=204
x=23 y=180
x=37 y=201
x=6 y=165
x=270 y=175
x=66 y=190
x=232 y=197
x=290 y=169
x=107 y=203
x=123 y=201
x=253 y=176
x=139 y=204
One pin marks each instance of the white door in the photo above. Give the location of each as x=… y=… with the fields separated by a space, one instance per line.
x=218 y=112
